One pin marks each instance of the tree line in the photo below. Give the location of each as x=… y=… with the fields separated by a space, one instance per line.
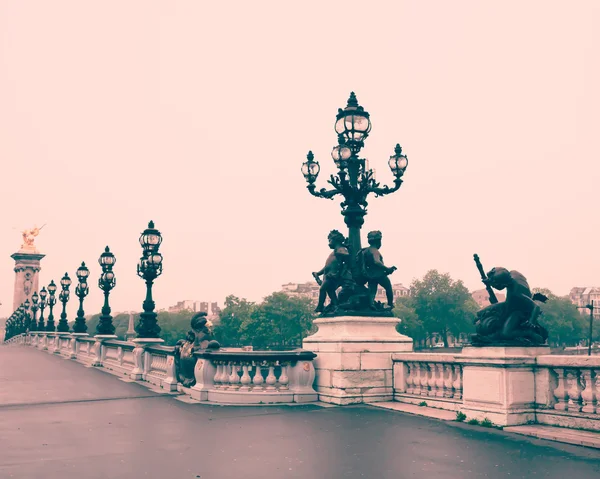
x=438 y=307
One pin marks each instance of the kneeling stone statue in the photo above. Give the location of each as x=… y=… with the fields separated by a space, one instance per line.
x=198 y=338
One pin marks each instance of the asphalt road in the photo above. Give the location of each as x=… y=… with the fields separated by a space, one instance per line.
x=59 y=419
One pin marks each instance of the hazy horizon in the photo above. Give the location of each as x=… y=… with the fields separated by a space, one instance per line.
x=198 y=116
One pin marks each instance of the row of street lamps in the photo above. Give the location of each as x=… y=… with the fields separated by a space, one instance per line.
x=24 y=318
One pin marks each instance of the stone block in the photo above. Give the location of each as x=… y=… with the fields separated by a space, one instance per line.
x=337 y=361
x=323 y=377
x=353 y=379
x=376 y=360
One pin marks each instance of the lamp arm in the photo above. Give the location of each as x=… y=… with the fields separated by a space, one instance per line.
x=385 y=190
x=323 y=193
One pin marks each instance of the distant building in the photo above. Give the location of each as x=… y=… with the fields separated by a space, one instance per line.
x=482 y=297
x=311 y=290
x=582 y=296
x=210 y=308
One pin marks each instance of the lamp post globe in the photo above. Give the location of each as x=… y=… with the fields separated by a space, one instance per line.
x=65 y=282
x=149 y=268
x=106 y=283
x=81 y=291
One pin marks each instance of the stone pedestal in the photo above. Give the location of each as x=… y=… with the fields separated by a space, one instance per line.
x=27 y=268
x=499 y=383
x=354 y=358
x=139 y=369
x=99 y=350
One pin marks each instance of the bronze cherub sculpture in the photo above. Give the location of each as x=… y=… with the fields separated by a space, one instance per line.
x=198 y=338
x=514 y=321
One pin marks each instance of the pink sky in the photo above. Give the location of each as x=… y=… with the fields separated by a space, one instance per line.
x=198 y=115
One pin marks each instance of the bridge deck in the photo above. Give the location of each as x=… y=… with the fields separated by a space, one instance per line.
x=59 y=419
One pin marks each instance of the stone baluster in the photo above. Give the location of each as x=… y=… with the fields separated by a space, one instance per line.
x=245 y=379
x=424 y=380
x=271 y=379
x=416 y=379
x=410 y=372
x=234 y=378
x=560 y=393
x=588 y=395
x=283 y=378
x=457 y=384
x=224 y=380
x=448 y=381
x=574 y=391
x=217 y=377
x=431 y=382
x=439 y=382
x=257 y=380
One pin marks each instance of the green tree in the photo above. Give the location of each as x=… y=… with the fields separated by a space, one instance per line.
x=228 y=330
x=410 y=324
x=443 y=305
x=565 y=324
x=280 y=321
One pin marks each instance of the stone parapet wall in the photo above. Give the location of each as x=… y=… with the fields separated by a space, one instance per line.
x=505 y=385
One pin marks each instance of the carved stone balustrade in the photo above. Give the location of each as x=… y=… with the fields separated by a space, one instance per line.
x=254 y=377
x=433 y=378
x=568 y=391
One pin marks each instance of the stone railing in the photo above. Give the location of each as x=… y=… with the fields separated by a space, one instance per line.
x=506 y=385
x=568 y=391
x=232 y=377
x=430 y=377
x=18 y=339
x=255 y=377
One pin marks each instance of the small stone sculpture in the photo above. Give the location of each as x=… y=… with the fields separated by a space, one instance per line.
x=514 y=321
x=198 y=338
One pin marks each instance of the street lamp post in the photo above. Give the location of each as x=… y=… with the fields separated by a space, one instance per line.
x=106 y=283
x=43 y=296
x=50 y=326
x=81 y=290
x=354 y=182
x=65 y=283
x=591 y=307
x=149 y=268
x=34 y=309
x=27 y=324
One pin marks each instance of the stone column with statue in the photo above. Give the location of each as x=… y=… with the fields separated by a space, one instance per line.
x=27 y=267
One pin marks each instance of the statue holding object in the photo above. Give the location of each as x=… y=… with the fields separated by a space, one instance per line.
x=335 y=272
x=513 y=322
x=198 y=338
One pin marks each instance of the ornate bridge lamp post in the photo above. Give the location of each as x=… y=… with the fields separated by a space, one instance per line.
x=50 y=326
x=149 y=268
x=81 y=291
x=34 y=309
x=43 y=296
x=105 y=328
x=27 y=321
x=353 y=316
x=106 y=283
x=353 y=182
x=65 y=283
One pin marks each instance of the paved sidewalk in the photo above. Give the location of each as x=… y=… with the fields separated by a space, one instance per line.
x=59 y=419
